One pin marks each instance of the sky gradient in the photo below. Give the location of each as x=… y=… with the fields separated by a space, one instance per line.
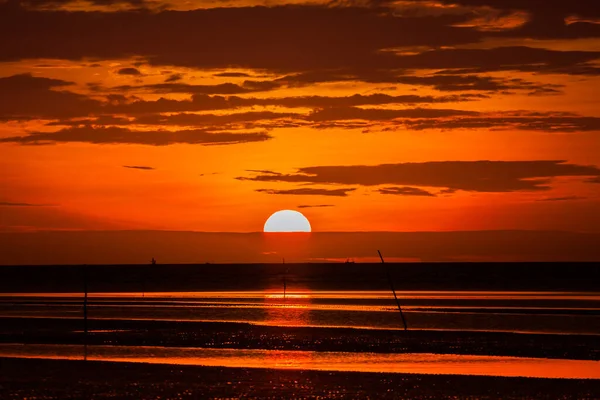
x=370 y=116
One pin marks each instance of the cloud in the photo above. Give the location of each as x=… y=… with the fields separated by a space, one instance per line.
x=405 y=191
x=447 y=191
x=58 y=4
x=203 y=102
x=76 y=106
x=546 y=122
x=476 y=83
x=114 y=135
x=225 y=37
x=509 y=58
x=129 y=71
x=138 y=167
x=368 y=39
x=355 y=100
x=174 y=78
x=232 y=75
x=564 y=198
x=442 y=80
x=25 y=97
x=210 y=119
x=372 y=114
x=547 y=18
x=16 y=204
x=326 y=111
x=310 y=192
x=315 y=205
x=222 y=88
x=475 y=176
x=263 y=171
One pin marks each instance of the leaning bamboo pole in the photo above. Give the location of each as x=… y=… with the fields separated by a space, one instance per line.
x=389 y=277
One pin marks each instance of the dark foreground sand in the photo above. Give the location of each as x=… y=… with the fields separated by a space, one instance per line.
x=58 y=379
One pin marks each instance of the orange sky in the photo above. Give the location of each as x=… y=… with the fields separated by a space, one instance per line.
x=432 y=115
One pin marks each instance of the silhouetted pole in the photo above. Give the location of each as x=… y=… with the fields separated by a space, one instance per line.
x=85 y=322
x=389 y=276
x=284 y=282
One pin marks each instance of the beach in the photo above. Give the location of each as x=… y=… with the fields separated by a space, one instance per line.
x=316 y=336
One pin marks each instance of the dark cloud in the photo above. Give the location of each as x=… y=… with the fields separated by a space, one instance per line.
x=149 y=113
x=29 y=82
x=584 y=8
x=100 y=120
x=16 y=204
x=372 y=114
x=203 y=102
x=25 y=97
x=143 y=167
x=222 y=88
x=263 y=171
x=309 y=192
x=477 y=176
x=406 y=191
x=564 y=198
x=129 y=71
x=228 y=37
x=210 y=119
x=113 y=135
x=447 y=191
x=315 y=205
x=360 y=39
x=232 y=75
x=50 y=4
x=546 y=18
x=548 y=122
x=174 y=78
x=442 y=80
x=72 y=105
x=477 y=83
x=357 y=100
x=514 y=58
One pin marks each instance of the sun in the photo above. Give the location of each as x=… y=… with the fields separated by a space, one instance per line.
x=287 y=221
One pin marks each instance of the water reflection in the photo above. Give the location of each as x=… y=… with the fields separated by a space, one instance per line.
x=420 y=363
x=289 y=309
x=551 y=312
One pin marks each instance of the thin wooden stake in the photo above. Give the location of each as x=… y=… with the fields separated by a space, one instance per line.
x=389 y=276
x=284 y=282
x=85 y=321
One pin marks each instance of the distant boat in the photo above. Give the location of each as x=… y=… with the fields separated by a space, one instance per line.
x=349 y=261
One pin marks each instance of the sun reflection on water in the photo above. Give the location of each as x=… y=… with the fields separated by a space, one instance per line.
x=289 y=308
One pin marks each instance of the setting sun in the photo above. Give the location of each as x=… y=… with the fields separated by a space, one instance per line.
x=287 y=221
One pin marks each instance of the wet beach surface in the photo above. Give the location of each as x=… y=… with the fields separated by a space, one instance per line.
x=58 y=379
x=249 y=336
x=239 y=335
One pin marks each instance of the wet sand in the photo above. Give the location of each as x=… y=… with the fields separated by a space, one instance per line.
x=329 y=344
x=404 y=363
x=56 y=379
x=248 y=336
